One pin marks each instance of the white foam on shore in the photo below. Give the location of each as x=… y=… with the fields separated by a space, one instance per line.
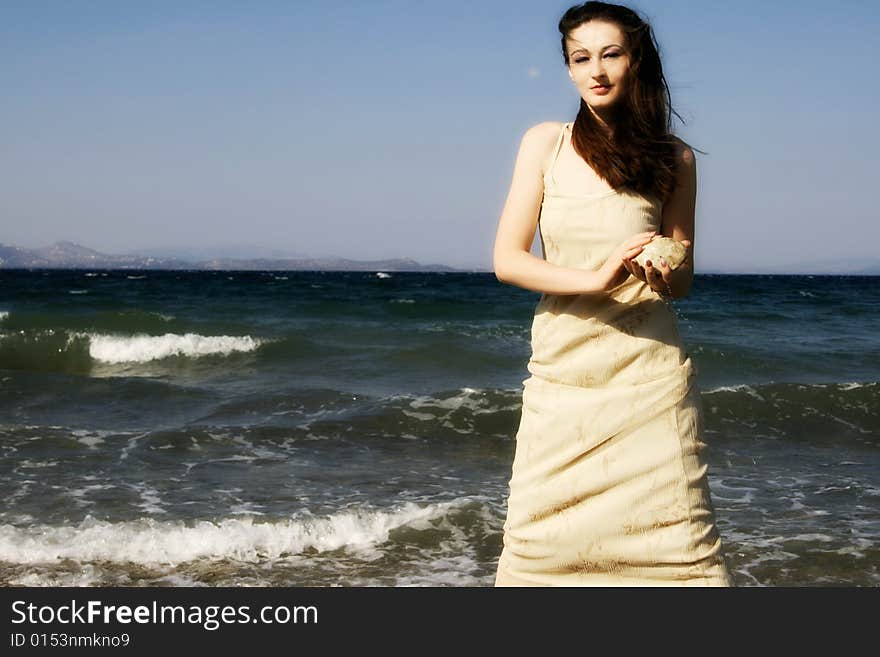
x=89 y=575
x=147 y=541
x=145 y=348
x=476 y=401
x=744 y=387
x=855 y=384
x=843 y=386
x=91 y=437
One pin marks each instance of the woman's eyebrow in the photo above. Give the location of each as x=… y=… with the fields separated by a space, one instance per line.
x=612 y=45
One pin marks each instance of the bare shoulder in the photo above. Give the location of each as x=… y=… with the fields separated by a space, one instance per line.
x=546 y=128
x=538 y=141
x=684 y=154
x=538 y=136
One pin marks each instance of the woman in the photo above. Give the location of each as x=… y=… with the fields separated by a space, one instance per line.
x=608 y=482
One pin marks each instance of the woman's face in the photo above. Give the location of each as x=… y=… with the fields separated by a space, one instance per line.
x=597 y=57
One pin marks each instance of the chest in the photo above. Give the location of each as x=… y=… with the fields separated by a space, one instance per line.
x=574 y=176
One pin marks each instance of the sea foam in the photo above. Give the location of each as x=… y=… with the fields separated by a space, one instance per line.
x=147 y=541
x=144 y=348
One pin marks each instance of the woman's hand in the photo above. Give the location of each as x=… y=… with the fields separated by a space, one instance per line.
x=657 y=275
x=615 y=270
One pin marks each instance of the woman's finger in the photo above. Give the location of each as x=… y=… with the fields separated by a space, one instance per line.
x=657 y=280
x=642 y=238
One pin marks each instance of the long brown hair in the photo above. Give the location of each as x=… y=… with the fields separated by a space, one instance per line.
x=641 y=153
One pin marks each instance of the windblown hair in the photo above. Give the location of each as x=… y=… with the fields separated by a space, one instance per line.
x=640 y=154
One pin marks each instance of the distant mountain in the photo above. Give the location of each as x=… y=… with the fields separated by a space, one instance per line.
x=201 y=253
x=67 y=255
x=325 y=264
x=830 y=267
x=850 y=266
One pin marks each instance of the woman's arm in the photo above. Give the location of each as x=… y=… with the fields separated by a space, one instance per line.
x=512 y=258
x=678 y=220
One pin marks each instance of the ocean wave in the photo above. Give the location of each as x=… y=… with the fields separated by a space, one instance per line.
x=145 y=348
x=820 y=413
x=147 y=541
x=122 y=344
x=755 y=390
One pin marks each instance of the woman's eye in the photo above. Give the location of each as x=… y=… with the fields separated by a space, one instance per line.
x=581 y=60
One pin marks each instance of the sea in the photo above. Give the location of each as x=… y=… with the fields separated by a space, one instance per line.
x=282 y=428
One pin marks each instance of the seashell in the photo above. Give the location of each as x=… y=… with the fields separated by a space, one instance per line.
x=662 y=247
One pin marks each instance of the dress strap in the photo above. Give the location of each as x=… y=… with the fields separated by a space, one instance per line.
x=556 y=150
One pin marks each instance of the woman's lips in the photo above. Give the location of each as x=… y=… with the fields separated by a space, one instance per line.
x=600 y=90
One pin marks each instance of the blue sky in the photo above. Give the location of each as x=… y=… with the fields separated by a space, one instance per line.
x=389 y=129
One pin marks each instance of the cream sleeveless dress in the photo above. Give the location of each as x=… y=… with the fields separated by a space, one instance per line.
x=608 y=484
